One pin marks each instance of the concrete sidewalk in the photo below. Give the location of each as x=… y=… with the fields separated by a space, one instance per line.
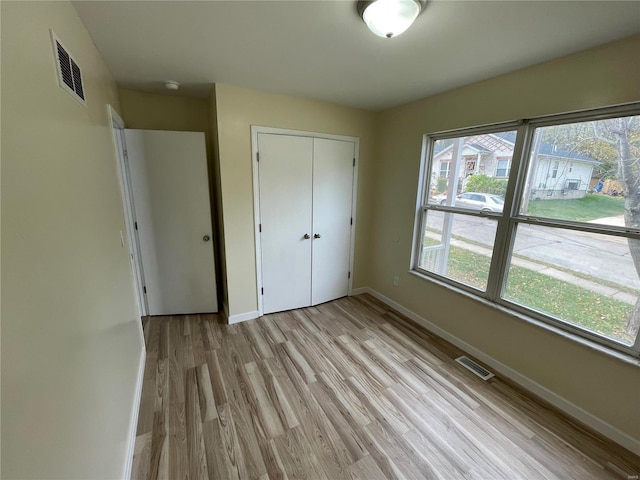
x=549 y=271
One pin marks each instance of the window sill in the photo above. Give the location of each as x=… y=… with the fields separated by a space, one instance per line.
x=621 y=356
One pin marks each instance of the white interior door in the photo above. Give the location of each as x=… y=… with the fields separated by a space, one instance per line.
x=168 y=172
x=285 y=171
x=332 y=198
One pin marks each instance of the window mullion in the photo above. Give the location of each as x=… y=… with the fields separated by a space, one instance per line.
x=417 y=246
x=505 y=233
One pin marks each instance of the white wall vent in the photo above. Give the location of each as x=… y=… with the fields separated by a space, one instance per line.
x=474 y=367
x=69 y=74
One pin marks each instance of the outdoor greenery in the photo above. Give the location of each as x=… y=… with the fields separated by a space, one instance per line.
x=545 y=294
x=590 y=207
x=569 y=302
x=442 y=184
x=615 y=142
x=485 y=184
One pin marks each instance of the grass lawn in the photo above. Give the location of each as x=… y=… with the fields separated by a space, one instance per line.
x=546 y=294
x=593 y=206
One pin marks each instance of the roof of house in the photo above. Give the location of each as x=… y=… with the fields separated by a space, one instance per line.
x=478 y=148
x=548 y=149
x=545 y=148
x=439 y=148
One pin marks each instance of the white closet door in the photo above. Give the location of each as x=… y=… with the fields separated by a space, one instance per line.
x=168 y=173
x=332 y=198
x=285 y=170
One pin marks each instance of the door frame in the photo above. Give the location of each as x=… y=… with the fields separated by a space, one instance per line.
x=255 y=130
x=118 y=126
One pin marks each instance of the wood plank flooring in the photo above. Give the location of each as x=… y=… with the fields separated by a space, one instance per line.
x=346 y=390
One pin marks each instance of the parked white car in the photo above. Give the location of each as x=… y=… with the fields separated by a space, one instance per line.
x=485 y=202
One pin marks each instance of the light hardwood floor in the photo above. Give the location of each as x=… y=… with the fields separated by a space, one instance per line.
x=349 y=389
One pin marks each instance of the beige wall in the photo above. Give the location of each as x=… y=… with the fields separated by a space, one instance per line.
x=151 y=111
x=216 y=200
x=71 y=343
x=603 y=386
x=239 y=108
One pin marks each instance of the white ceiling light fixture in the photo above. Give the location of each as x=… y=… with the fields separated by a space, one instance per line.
x=389 y=18
x=171 y=85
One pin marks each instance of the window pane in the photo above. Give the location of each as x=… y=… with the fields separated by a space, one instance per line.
x=581 y=278
x=586 y=171
x=458 y=247
x=473 y=164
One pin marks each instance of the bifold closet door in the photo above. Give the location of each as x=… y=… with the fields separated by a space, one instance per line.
x=285 y=170
x=332 y=199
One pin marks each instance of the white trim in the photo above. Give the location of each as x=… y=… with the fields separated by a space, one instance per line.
x=360 y=291
x=301 y=133
x=571 y=409
x=117 y=128
x=116 y=120
x=133 y=426
x=256 y=216
x=255 y=130
x=354 y=210
x=242 y=317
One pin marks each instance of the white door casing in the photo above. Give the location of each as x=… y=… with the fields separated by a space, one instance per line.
x=118 y=128
x=332 y=198
x=285 y=201
x=169 y=180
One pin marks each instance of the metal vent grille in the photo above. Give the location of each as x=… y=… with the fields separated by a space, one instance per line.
x=69 y=73
x=474 y=367
x=77 y=80
x=64 y=63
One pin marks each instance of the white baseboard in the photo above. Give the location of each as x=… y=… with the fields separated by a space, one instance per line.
x=242 y=317
x=133 y=426
x=360 y=291
x=554 y=399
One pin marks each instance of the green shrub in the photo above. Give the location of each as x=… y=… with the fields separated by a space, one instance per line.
x=442 y=184
x=483 y=183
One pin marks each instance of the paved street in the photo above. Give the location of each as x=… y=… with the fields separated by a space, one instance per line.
x=599 y=256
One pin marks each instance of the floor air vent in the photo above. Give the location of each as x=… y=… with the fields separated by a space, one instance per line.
x=69 y=74
x=479 y=370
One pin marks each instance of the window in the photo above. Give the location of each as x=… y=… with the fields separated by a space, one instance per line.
x=504 y=167
x=564 y=255
x=573 y=184
x=444 y=169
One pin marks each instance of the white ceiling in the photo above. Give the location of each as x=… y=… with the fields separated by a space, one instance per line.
x=323 y=50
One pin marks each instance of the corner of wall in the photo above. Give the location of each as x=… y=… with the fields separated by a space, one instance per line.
x=216 y=199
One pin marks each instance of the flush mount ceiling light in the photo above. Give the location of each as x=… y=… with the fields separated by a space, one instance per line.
x=171 y=85
x=389 y=18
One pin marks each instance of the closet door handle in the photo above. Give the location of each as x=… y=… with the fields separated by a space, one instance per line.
x=317 y=235
x=306 y=236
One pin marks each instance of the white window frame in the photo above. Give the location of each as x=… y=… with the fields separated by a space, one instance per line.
x=510 y=218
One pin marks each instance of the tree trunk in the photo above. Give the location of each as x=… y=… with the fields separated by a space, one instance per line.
x=631 y=181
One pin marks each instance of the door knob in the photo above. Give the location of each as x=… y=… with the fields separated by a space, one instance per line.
x=306 y=236
x=206 y=238
x=317 y=235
